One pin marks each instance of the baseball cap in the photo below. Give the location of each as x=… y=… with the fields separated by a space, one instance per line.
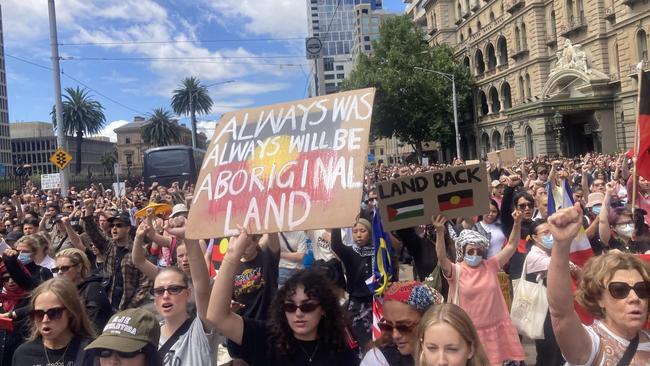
x=121 y=216
x=128 y=331
x=179 y=208
x=496 y=183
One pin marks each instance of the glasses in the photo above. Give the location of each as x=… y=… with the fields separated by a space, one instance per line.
x=387 y=327
x=172 y=290
x=63 y=269
x=620 y=290
x=543 y=173
x=308 y=307
x=523 y=206
x=475 y=251
x=119 y=224
x=52 y=314
x=106 y=353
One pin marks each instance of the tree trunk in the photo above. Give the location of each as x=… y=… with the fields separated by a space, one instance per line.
x=418 y=151
x=193 y=119
x=79 y=138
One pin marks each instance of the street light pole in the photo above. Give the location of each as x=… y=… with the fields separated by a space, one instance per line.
x=451 y=78
x=193 y=113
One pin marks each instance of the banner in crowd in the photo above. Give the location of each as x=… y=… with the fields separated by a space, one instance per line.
x=454 y=192
x=50 y=181
x=508 y=157
x=284 y=167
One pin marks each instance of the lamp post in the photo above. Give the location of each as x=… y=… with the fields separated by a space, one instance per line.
x=451 y=78
x=193 y=114
x=557 y=127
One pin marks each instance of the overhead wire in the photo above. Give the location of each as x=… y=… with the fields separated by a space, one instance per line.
x=117 y=43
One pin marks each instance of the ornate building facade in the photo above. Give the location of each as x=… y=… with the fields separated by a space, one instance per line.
x=552 y=76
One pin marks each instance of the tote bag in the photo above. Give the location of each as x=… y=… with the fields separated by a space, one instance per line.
x=529 y=307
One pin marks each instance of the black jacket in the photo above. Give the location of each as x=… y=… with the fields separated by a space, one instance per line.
x=96 y=300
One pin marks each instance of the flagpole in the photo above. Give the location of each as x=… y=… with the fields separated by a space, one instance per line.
x=636 y=136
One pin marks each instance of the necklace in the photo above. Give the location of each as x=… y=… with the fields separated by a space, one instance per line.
x=58 y=362
x=310 y=358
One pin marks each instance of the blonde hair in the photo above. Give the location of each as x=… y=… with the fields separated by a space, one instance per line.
x=598 y=272
x=67 y=293
x=77 y=257
x=457 y=318
x=43 y=240
x=30 y=240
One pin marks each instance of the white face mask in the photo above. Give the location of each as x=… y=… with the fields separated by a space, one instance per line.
x=625 y=230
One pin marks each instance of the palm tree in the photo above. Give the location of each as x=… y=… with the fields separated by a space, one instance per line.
x=191 y=97
x=160 y=130
x=108 y=160
x=82 y=115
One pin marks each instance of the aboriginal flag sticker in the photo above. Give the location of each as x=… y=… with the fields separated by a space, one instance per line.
x=457 y=199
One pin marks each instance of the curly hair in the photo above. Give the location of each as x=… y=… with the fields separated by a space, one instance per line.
x=331 y=328
x=598 y=272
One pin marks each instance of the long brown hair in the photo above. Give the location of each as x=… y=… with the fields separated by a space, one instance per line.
x=68 y=294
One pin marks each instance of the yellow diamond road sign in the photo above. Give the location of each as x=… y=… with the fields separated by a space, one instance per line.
x=61 y=158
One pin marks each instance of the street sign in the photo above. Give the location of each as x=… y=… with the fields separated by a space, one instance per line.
x=117 y=168
x=61 y=158
x=50 y=181
x=313 y=46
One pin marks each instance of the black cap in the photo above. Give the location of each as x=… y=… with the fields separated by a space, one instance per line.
x=122 y=217
x=13 y=236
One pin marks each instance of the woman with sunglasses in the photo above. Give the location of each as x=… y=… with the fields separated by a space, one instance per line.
x=74 y=265
x=60 y=327
x=615 y=289
x=306 y=324
x=524 y=203
x=130 y=338
x=446 y=336
x=404 y=304
x=474 y=285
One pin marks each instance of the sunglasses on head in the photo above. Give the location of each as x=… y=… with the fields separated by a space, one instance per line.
x=523 y=206
x=52 y=314
x=173 y=290
x=475 y=251
x=106 y=353
x=387 y=327
x=63 y=269
x=118 y=224
x=620 y=290
x=307 y=307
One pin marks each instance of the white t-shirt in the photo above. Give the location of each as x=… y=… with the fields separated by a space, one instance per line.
x=643 y=348
x=192 y=348
x=497 y=239
x=374 y=357
x=48 y=262
x=322 y=248
x=297 y=240
x=537 y=260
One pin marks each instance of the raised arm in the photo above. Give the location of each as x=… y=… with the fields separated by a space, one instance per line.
x=74 y=237
x=219 y=314
x=573 y=339
x=137 y=253
x=603 y=217
x=444 y=262
x=584 y=179
x=91 y=228
x=513 y=241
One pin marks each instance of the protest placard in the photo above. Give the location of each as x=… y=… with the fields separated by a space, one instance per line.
x=454 y=192
x=50 y=181
x=508 y=157
x=472 y=162
x=284 y=167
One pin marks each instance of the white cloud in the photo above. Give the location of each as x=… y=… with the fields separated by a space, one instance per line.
x=278 y=18
x=108 y=131
x=206 y=127
x=248 y=88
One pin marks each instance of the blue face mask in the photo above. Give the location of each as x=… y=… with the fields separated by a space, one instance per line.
x=473 y=260
x=596 y=209
x=547 y=241
x=25 y=258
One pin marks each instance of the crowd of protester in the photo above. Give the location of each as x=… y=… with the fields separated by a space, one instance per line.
x=109 y=278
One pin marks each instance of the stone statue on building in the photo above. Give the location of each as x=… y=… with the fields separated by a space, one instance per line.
x=571 y=57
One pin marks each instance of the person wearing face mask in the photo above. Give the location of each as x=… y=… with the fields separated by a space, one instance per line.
x=616 y=229
x=24 y=253
x=475 y=287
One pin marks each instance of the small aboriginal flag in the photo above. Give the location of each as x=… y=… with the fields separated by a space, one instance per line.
x=405 y=210
x=454 y=200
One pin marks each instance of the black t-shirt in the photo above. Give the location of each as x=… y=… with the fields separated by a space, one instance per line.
x=256 y=350
x=255 y=284
x=634 y=247
x=33 y=354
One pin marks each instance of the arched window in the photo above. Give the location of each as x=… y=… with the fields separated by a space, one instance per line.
x=509 y=139
x=469 y=32
x=530 y=146
x=517 y=39
x=491 y=57
x=496 y=141
x=491 y=16
x=642 y=45
x=522 y=89
x=467 y=7
x=528 y=87
x=466 y=61
x=494 y=100
x=523 y=36
x=462 y=38
x=478 y=25
x=553 y=25
x=485 y=143
x=502 y=46
x=460 y=11
x=484 y=104
x=505 y=94
x=480 y=64
x=569 y=10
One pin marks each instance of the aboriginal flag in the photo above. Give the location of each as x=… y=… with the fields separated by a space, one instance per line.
x=454 y=200
x=643 y=143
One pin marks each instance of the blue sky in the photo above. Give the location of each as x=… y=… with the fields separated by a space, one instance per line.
x=256 y=43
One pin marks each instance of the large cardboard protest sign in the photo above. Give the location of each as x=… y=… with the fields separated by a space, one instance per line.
x=454 y=192
x=508 y=157
x=284 y=167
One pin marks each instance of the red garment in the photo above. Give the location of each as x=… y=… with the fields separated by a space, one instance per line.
x=9 y=298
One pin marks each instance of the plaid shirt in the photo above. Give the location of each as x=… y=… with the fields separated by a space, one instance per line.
x=136 y=284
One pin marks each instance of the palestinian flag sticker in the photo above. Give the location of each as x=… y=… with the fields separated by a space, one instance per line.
x=405 y=210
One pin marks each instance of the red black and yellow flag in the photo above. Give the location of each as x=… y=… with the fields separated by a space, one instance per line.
x=643 y=159
x=454 y=200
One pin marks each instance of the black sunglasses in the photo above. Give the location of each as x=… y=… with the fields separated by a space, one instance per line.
x=173 y=290
x=52 y=314
x=308 y=307
x=63 y=269
x=119 y=224
x=106 y=353
x=523 y=206
x=620 y=290
x=387 y=327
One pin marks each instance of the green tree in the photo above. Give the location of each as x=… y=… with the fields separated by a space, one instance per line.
x=159 y=129
x=411 y=104
x=108 y=160
x=191 y=97
x=82 y=115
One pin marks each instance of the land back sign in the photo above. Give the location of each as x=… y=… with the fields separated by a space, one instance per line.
x=454 y=192
x=284 y=167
